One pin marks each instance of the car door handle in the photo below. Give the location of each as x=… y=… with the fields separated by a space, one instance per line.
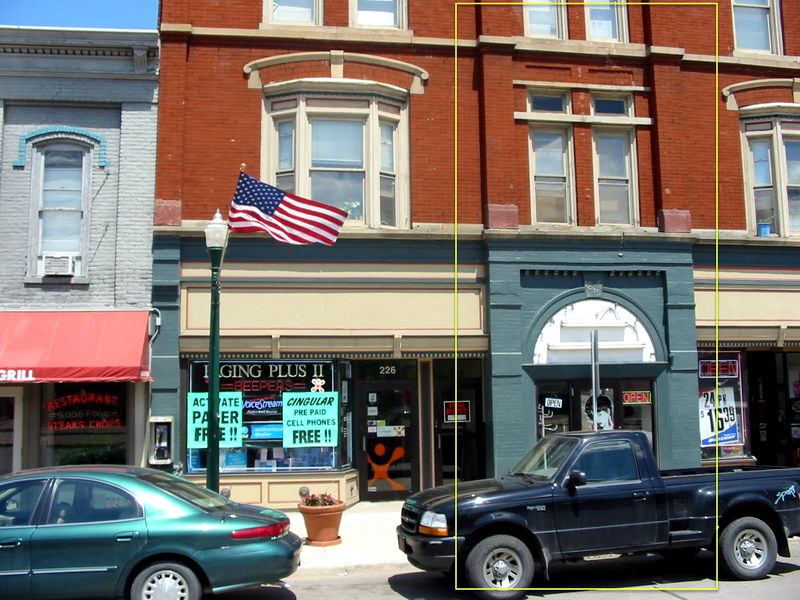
x=127 y=536
x=11 y=543
x=639 y=496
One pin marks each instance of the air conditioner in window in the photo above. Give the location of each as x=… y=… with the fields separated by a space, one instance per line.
x=58 y=264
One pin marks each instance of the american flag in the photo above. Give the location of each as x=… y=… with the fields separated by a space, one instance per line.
x=257 y=206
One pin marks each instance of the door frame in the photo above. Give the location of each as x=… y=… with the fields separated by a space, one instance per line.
x=17 y=393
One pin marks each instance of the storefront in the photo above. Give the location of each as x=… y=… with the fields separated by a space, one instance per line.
x=548 y=298
x=73 y=387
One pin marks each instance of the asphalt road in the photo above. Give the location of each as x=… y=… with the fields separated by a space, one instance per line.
x=643 y=578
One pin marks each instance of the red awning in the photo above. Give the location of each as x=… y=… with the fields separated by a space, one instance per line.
x=74 y=346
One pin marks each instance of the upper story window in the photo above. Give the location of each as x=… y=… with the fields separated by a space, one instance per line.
x=609 y=105
x=378 y=13
x=60 y=199
x=756 y=25
x=548 y=19
x=346 y=151
x=606 y=20
x=614 y=177
x=773 y=172
x=551 y=167
x=549 y=102
x=294 y=11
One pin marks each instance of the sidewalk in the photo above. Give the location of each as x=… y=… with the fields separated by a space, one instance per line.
x=368 y=539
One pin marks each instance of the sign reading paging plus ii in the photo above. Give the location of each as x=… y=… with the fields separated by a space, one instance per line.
x=310 y=419
x=229 y=415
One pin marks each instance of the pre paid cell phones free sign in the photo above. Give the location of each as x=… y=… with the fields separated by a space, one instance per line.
x=310 y=419
x=229 y=415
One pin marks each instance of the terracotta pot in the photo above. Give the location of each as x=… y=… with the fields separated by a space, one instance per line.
x=322 y=523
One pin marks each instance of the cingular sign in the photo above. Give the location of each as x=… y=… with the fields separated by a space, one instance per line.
x=310 y=419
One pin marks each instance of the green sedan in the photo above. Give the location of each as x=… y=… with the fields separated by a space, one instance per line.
x=127 y=532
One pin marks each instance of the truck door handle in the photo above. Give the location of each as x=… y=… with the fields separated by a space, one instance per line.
x=638 y=496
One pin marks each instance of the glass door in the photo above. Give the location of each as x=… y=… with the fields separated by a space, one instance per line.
x=386 y=396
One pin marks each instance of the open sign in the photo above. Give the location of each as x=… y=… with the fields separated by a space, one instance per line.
x=456 y=411
x=640 y=397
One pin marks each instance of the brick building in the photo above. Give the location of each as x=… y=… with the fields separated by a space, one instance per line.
x=78 y=117
x=578 y=164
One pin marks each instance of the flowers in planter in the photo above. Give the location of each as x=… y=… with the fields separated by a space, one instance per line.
x=323 y=499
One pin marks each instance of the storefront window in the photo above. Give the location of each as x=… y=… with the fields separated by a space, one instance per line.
x=722 y=417
x=265 y=418
x=83 y=424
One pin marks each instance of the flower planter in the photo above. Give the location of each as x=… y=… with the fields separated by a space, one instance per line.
x=322 y=523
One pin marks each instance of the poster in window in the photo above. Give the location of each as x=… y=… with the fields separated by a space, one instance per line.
x=719 y=418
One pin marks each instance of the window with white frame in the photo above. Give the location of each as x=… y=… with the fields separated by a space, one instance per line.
x=603 y=104
x=614 y=180
x=606 y=20
x=378 y=13
x=547 y=18
x=773 y=152
x=551 y=171
x=294 y=11
x=347 y=151
x=60 y=184
x=756 y=25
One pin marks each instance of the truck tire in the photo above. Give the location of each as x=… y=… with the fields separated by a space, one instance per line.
x=501 y=564
x=748 y=548
x=164 y=581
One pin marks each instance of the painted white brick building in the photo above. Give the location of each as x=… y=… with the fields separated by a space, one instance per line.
x=78 y=118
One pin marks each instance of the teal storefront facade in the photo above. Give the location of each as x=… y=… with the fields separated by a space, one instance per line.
x=545 y=295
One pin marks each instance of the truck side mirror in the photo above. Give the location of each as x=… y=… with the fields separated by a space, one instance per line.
x=576 y=478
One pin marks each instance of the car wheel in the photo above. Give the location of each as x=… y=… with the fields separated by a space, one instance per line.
x=748 y=548
x=166 y=581
x=502 y=565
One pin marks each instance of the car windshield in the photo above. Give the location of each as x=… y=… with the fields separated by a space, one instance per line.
x=545 y=459
x=185 y=490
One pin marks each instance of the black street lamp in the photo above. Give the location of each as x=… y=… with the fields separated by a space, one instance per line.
x=216 y=241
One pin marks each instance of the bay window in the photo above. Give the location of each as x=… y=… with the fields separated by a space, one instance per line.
x=346 y=151
x=773 y=157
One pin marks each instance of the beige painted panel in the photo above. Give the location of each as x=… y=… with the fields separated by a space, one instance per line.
x=247 y=493
x=343 y=310
x=707 y=275
x=742 y=306
x=361 y=271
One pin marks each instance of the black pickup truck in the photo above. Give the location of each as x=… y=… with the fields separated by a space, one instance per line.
x=583 y=494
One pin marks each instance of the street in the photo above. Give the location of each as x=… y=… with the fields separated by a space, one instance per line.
x=694 y=579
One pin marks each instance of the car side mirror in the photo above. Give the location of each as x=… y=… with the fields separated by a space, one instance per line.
x=576 y=478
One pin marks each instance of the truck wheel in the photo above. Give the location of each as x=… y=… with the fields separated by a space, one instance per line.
x=748 y=548
x=501 y=563
x=166 y=581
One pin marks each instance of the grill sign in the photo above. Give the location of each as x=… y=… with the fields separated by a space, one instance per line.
x=456 y=411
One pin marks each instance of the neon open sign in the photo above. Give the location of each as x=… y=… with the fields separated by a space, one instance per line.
x=724 y=368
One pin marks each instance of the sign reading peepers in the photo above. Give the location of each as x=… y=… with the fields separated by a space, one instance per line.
x=310 y=419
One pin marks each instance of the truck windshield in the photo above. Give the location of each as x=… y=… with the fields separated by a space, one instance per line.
x=545 y=459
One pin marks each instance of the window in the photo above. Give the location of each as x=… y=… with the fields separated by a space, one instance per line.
x=773 y=151
x=608 y=461
x=613 y=170
x=343 y=151
x=606 y=20
x=378 y=13
x=548 y=19
x=83 y=501
x=61 y=183
x=542 y=102
x=755 y=25
x=552 y=196
x=18 y=501
x=294 y=11
x=603 y=105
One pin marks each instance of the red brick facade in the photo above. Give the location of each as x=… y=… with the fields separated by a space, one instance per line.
x=210 y=120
